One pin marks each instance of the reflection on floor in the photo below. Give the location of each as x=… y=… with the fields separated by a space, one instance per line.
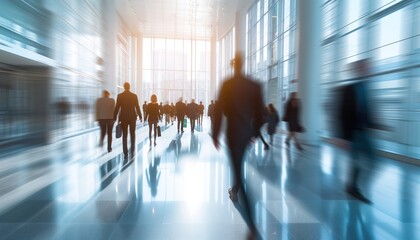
x=178 y=190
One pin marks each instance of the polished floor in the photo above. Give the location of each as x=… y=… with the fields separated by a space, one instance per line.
x=178 y=190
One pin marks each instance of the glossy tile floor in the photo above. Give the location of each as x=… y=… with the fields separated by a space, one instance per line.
x=178 y=190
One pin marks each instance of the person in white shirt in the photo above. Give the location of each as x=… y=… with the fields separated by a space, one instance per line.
x=104 y=115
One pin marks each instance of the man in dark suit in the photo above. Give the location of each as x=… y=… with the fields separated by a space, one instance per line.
x=180 y=109
x=144 y=108
x=128 y=103
x=240 y=100
x=192 y=113
x=355 y=119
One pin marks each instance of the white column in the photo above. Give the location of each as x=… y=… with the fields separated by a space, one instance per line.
x=213 y=51
x=109 y=30
x=309 y=58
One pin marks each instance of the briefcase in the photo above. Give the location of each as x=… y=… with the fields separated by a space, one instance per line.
x=185 y=123
x=118 y=131
x=158 y=131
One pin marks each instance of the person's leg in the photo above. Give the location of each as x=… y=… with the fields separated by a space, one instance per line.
x=110 y=125
x=133 y=137
x=102 y=125
x=155 y=129
x=266 y=146
x=237 y=154
x=150 y=133
x=124 y=126
x=182 y=123
x=179 y=122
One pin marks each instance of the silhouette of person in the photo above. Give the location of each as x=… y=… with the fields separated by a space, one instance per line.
x=172 y=113
x=153 y=115
x=201 y=113
x=292 y=117
x=240 y=100
x=355 y=117
x=128 y=108
x=272 y=120
x=192 y=113
x=210 y=111
x=181 y=110
x=167 y=112
x=144 y=108
x=104 y=115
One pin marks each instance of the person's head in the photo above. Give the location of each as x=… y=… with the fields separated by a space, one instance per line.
x=160 y=102
x=271 y=108
x=153 y=98
x=126 y=86
x=145 y=102
x=180 y=99
x=361 y=68
x=293 y=95
x=201 y=102
x=237 y=63
x=211 y=101
x=105 y=93
x=192 y=100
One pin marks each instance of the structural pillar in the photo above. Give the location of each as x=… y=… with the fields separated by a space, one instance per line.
x=308 y=67
x=109 y=31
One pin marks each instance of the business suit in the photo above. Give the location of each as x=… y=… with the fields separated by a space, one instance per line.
x=152 y=116
x=240 y=100
x=180 y=109
x=193 y=114
x=128 y=108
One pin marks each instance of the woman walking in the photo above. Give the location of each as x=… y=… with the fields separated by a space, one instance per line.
x=153 y=115
x=273 y=121
x=292 y=117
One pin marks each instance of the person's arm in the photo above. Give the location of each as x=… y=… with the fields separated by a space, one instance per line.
x=217 y=112
x=117 y=108
x=138 y=108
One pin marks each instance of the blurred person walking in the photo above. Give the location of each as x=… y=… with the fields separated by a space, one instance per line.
x=181 y=110
x=210 y=112
x=144 y=108
x=355 y=119
x=292 y=117
x=201 y=113
x=240 y=100
x=104 y=115
x=272 y=120
x=153 y=115
x=167 y=112
x=192 y=113
x=128 y=108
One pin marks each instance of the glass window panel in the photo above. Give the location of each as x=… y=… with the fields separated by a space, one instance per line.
x=147 y=53
x=355 y=10
x=390 y=34
x=286 y=15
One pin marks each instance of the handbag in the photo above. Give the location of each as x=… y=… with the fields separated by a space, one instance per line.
x=118 y=131
x=158 y=131
x=185 y=123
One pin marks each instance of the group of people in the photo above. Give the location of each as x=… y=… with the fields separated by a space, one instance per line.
x=126 y=111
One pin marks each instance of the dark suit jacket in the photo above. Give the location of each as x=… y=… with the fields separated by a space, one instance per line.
x=180 y=109
x=352 y=116
x=153 y=112
x=192 y=110
x=240 y=100
x=128 y=103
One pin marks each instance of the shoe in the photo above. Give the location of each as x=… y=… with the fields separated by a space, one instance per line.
x=109 y=150
x=354 y=192
x=155 y=143
x=232 y=195
x=266 y=147
x=287 y=143
x=299 y=148
x=125 y=156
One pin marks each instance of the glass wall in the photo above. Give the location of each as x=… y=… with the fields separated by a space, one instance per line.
x=387 y=32
x=271 y=48
x=174 y=68
x=225 y=48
